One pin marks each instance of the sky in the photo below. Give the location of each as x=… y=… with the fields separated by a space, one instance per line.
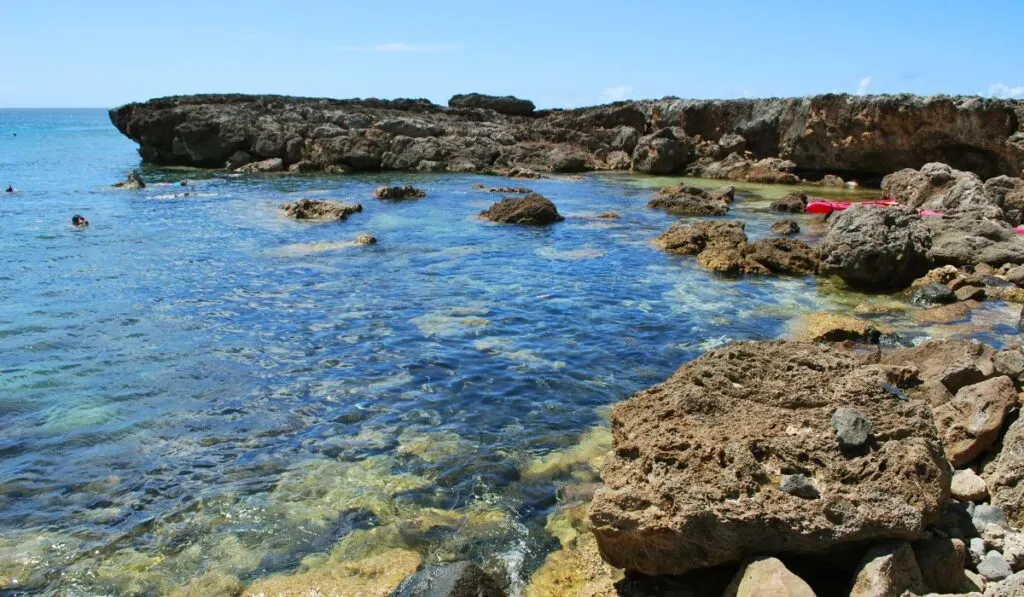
x=558 y=53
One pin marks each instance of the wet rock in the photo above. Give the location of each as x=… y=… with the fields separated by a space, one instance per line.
x=888 y=570
x=852 y=428
x=374 y=575
x=831 y=180
x=967 y=486
x=831 y=327
x=267 y=165
x=133 y=182
x=685 y=200
x=941 y=562
x=875 y=247
x=945 y=313
x=800 y=486
x=458 y=579
x=505 y=104
x=694 y=458
x=365 y=239
x=939 y=275
x=792 y=203
x=662 y=152
x=970 y=423
x=317 y=209
x=532 y=209
x=692 y=239
x=767 y=577
x=785 y=227
x=399 y=193
x=969 y=293
x=933 y=294
x=994 y=567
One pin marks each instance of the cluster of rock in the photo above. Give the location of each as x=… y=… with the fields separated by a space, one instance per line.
x=687 y=200
x=940 y=187
x=723 y=247
x=949 y=294
x=759 y=140
x=809 y=468
x=397 y=193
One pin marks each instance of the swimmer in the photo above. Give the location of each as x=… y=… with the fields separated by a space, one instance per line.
x=9 y=189
x=79 y=221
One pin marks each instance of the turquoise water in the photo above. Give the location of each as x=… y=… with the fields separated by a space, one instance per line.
x=195 y=384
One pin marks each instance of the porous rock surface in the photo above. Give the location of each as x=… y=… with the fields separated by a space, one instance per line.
x=693 y=479
x=533 y=209
x=750 y=139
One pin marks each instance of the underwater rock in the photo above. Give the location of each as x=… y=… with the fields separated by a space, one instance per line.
x=694 y=457
x=399 y=193
x=933 y=293
x=456 y=579
x=133 y=182
x=320 y=209
x=533 y=209
x=785 y=227
x=379 y=574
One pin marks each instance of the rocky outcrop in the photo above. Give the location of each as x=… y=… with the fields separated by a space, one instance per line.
x=1004 y=475
x=687 y=200
x=532 y=209
x=940 y=187
x=767 y=140
x=785 y=227
x=876 y=247
x=399 y=193
x=132 y=182
x=694 y=478
x=722 y=247
x=318 y=209
x=792 y=203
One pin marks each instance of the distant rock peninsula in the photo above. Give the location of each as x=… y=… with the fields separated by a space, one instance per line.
x=757 y=140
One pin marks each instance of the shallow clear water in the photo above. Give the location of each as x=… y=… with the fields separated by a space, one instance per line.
x=197 y=384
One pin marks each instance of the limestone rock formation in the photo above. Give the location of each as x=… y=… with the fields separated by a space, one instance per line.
x=396 y=193
x=691 y=481
x=320 y=209
x=875 y=247
x=505 y=104
x=533 y=209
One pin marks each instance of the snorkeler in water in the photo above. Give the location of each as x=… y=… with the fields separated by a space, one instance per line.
x=79 y=221
x=9 y=189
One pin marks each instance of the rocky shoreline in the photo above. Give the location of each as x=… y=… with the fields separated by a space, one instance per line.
x=782 y=140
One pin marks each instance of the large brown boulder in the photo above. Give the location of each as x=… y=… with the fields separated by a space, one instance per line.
x=396 y=193
x=736 y=455
x=686 y=200
x=692 y=239
x=1004 y=475
x=532 y=209
x=722 y=247
x=875 y=247
x=663 y=152
x=936 y=186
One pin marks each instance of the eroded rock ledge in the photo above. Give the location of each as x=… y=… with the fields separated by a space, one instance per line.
x=760 y=139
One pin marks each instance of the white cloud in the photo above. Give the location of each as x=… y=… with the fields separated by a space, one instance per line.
x=399 y=47
x=616 y=94
x=1004 y=90
x=862 y=87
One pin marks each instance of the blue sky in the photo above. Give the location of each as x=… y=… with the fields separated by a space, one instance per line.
x=559 y=53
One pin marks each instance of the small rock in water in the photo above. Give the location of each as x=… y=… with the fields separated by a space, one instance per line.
x=791 y=203
x=399 y=193
x=366 y=239
x=994 y=567
x=533 y=210
x=458 y=579
x=608 y=215
x=132 y=183
x=800 y=486
x=785 y=227
x=933 y=294
x=968 y=486
x=318 y=209
x=852 y=427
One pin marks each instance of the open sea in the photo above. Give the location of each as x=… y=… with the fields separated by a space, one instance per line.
x=195 y=385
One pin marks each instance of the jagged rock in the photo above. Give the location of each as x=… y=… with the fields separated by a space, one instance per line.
x=933 y=294
x=791 y=203
x=317 y=209
x=365 y=239
x=267 y=165
x=831 y=180
x=952 y=363
x=686 y=200
x=833 y=133
x=694 y=458
x=969 y=238
x=767 y=577
x=941 y=562
x=692 y=239
x=458 y=579
x=800 y=486
x=1015 y=275
x=532 y=209
x=970 y=423
x=785 y=227
x=505 y=104
x=399 y=193
x=888 y=570
x=832 y=327
x=967 y=486
x=875 y=247
x=936 y=186
x=133 y=182
x=661 y=153
x=618 y=160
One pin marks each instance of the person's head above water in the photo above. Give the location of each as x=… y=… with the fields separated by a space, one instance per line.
x=10 y=189
x=79 y=221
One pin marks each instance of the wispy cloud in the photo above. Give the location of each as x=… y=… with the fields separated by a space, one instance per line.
x=862 y=87
x=616 y=94
x=402 y=47
x=1004 y=90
